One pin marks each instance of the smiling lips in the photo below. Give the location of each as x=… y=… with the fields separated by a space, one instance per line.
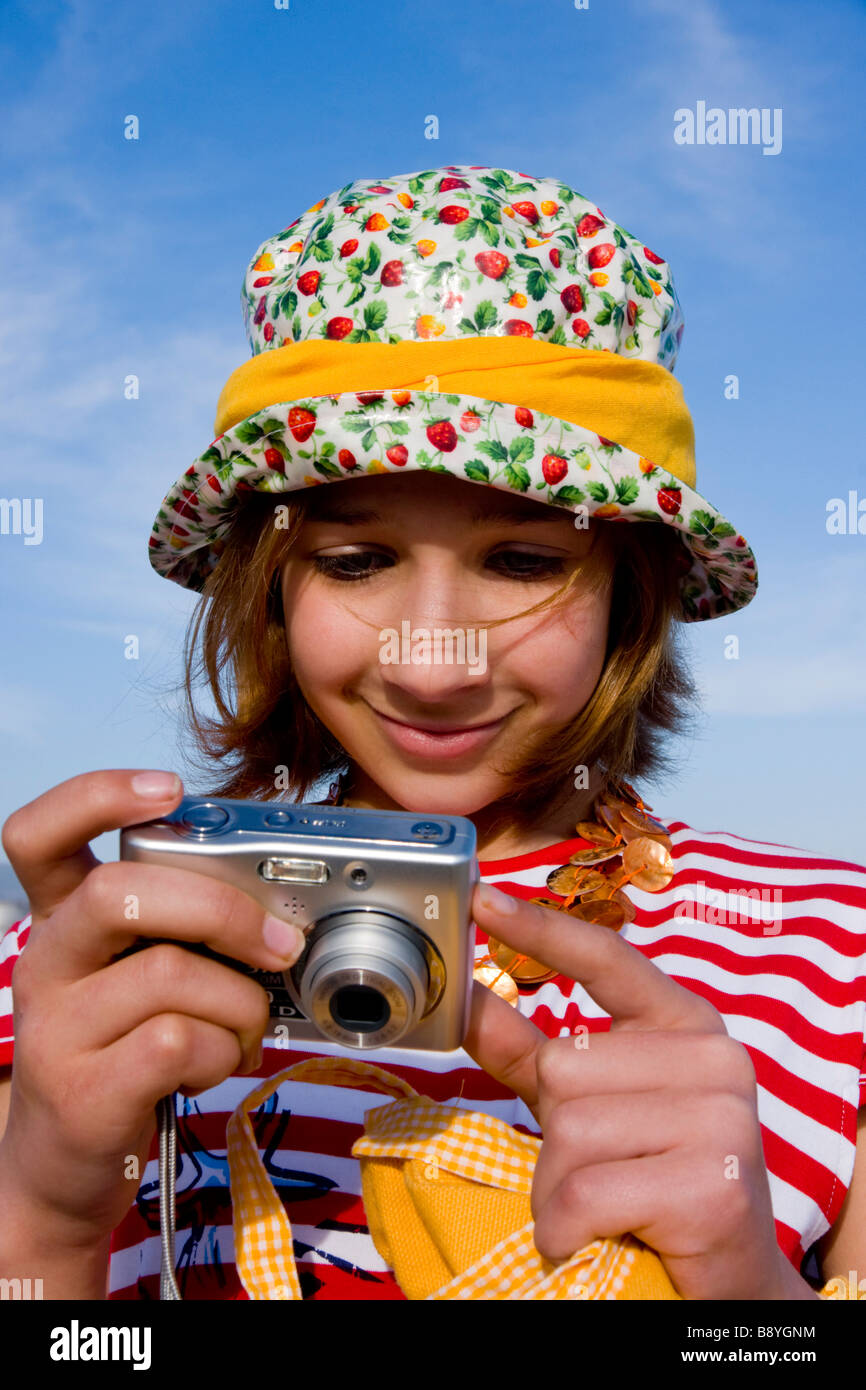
x=446 y=742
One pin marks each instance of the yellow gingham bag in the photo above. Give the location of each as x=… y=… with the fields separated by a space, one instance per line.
x=446 y=1194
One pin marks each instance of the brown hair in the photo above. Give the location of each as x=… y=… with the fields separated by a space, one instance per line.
x=643 y=695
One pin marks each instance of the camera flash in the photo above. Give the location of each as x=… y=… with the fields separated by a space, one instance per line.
x=294 y=870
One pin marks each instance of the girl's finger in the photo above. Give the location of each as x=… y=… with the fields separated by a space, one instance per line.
x=608 y=1063
x=165 y=978
x=120 y=902
x=504 y=1043
x=47 y=840
x=641 y=1196
x=606 y=1129
x=163 y=1054
x=619 y=978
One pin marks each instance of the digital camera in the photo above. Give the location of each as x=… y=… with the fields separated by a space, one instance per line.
x=383 y=897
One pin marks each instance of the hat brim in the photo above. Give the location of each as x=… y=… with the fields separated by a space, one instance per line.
x=299 y=444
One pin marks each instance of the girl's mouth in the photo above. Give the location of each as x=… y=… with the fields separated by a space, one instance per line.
x=447 y=743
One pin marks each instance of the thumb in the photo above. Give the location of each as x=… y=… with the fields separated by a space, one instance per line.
x=504 y=1044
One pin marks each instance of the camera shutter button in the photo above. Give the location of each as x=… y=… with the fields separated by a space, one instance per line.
x=205 y=820
x=427 y=830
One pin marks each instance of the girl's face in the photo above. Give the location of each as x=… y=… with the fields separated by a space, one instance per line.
x=419 y=551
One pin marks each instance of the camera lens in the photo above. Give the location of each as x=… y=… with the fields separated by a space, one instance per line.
x=365 y=978
x=360 y=1008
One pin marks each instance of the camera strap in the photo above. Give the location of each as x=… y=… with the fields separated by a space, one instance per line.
x=166 y=1121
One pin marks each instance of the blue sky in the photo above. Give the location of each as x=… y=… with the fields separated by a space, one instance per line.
x=127 y=257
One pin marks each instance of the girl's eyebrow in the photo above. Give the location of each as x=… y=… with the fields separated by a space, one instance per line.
x=481 y=516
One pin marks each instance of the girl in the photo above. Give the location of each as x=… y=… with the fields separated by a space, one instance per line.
x=492 y=356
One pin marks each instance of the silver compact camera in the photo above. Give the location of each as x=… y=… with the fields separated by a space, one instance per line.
x=383 y=897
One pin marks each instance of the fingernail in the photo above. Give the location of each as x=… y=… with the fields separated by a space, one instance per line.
x=496 y=901
x=283 y=939
x=156 y=785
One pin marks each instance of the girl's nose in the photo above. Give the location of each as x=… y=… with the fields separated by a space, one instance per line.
x=436 y=663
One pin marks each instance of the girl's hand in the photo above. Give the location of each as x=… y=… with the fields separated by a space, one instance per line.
x=651 y=1128
x=100 y=1036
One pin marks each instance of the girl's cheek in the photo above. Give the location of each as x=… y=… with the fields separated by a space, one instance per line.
x=325 y=642
x=563 y=663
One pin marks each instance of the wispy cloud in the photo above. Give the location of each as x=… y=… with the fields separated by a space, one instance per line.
x=704 y=51
x=70 y=75
x=100 y=463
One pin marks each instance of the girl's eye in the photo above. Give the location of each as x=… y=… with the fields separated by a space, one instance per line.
x=355 y=567
x=347 y=567
x=529 y=565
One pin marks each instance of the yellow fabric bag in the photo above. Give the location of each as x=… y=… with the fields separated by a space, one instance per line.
x=446 y=1193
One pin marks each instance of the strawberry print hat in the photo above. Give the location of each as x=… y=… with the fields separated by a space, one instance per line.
x=465 y=320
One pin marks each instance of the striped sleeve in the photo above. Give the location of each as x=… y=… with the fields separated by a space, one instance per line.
x=814 y=940
x=11 y=946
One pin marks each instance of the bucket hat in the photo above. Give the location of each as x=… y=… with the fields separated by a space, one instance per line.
x=467 y=320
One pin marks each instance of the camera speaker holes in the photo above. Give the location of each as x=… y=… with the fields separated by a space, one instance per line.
x=295 y=908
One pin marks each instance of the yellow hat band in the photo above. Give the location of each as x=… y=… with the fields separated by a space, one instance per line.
x=634 y=403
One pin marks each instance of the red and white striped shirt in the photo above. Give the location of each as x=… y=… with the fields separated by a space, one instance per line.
x=773 y=937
